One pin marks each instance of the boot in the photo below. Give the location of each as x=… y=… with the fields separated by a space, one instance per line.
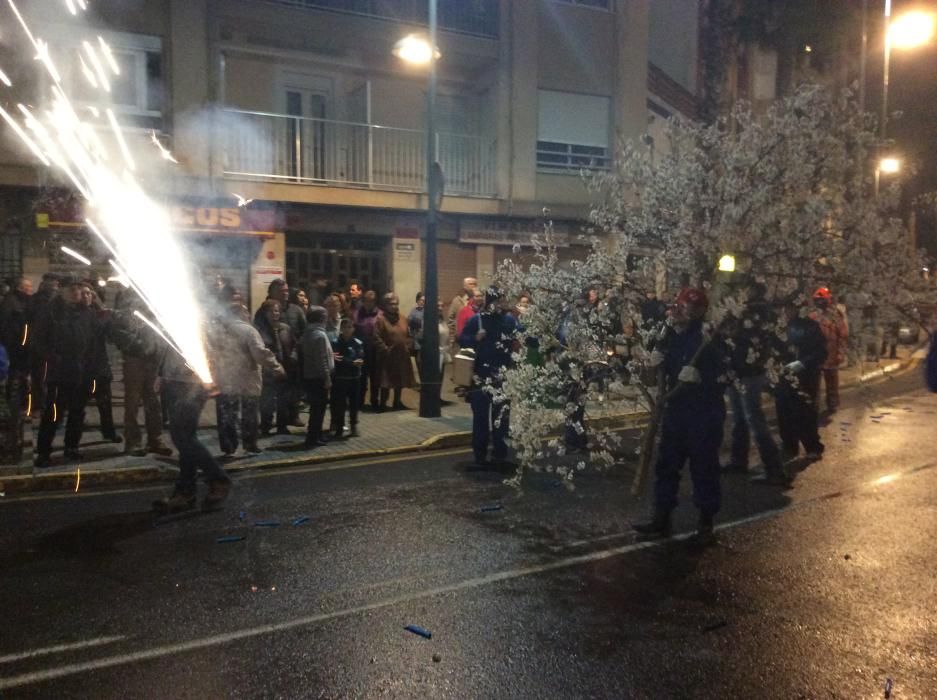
x=158 y=448
x=657 y=526
x=176 y=502
x=354 y=431
x=217 y=493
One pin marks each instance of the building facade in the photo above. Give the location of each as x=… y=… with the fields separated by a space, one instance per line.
x=302 y=107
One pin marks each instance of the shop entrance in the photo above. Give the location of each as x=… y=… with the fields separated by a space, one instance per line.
x=333 y=263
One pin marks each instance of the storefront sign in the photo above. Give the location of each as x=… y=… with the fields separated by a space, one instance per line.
x=231 y=220
x=266 y=275
x=404 y=251
x=510 y=233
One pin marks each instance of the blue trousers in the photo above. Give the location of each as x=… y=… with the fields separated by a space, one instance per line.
x=185 y=403
x=692 y=436
x=489 y=421
x=749 y=418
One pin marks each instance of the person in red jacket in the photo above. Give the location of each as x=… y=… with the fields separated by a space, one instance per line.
x=833 y=325
x=473 y=307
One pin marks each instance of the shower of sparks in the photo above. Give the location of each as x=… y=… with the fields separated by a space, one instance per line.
x=157 y=331
x=143 y=254
x=242 y=202
x=119 y=135
x=55 y=412
x=25 y=334
x=109 y=56
x=5 y=80
x=77 y=478
x=97 y=65
x=94 y=386
x=163 y=151
x=70 y=4
x=88 y=73
x=29 y=404
x=78 y=256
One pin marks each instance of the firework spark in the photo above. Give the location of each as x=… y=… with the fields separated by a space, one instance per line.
x=78 y=256
x=163 y=151
x=242 y=202
x=5 y=80
x=144 y=253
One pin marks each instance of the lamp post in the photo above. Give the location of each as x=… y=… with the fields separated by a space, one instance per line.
x=414 y=50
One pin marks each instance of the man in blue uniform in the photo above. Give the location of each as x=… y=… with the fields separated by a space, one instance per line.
x=492 y=334
x=693 y=418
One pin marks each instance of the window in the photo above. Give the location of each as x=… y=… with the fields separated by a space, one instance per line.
x=600 y=4
x=136 y=94
x=573 y=132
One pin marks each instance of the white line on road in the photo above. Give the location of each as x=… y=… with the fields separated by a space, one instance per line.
x=468 y=584
x=58 y=649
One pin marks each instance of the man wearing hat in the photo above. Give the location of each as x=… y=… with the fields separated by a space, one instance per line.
x=693 y=417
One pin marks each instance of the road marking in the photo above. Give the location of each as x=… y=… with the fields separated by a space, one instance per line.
x=468 y=584
x=59 y=648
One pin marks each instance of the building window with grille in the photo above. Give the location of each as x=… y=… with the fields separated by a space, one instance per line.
x=572 y=132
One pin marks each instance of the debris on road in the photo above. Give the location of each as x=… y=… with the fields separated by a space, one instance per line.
x=301 y=520
x=416 y=629
x=490 y=508
x=888 y=687
x=242 y=515
x=713 y=626
x=436 y=658
x=267 y=523
x=847 y=557
x=229 y=538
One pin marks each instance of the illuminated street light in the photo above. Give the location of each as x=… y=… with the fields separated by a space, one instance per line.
x=415 y=49
x=912 y=29
x=889 y=166
x=727 y=263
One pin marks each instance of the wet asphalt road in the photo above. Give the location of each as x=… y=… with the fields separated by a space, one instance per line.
x=821 y=591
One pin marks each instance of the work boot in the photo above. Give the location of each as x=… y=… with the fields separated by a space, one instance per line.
x=217 y=493
x=772 y=477
x=112 y=437
x=354 y=431
x=252 y=450
x=72 y=454
x=657 y=526
x=176 y=502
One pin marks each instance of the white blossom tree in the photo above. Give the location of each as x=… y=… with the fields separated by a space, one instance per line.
x=789 y=194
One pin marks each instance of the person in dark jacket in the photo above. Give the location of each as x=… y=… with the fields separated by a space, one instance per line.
x=99 y=375
x=65 y=343
x=365 y=321
x=349 y=357
x=493 y=336
x=691 y=430
x=15 y=317
x=755 y=343
x=800 y=383
x=277 y=391
x=47 y=292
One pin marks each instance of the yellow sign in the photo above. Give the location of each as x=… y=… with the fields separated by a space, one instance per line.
x=210 y=218
x=42 y=220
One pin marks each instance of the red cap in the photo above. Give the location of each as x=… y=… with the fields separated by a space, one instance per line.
x=694 y=296
x=823 y=293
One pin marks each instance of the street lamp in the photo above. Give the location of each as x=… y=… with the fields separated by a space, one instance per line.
x=908 y=31
x=727 y=263
x=889 y=166
x=418 y=50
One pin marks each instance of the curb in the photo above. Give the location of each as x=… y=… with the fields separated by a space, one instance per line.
x=64 y=481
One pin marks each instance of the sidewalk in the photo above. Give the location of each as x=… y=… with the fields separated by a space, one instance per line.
x=386 y=433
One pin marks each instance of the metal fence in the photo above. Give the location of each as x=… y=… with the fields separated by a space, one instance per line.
x=478 y=17
x=280 y=147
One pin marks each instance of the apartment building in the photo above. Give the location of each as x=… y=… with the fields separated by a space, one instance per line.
x=302 y=107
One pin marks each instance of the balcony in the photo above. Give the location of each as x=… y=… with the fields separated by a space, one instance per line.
x=282 y=148
x=475 y=17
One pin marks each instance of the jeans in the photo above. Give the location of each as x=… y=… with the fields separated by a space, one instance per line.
x=185 y=403
x=797 y=414
x=748 y=416
x=317 y=396
x=694 y=436
x=139 y=379
x=275 y=396
x=490 y=420
x=831 y=380
x=61 y=398
x=230 y=407
x=104 y=401
x=345 y=392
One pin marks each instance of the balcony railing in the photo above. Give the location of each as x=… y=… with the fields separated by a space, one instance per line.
x=478 y=17
x=283 y=148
